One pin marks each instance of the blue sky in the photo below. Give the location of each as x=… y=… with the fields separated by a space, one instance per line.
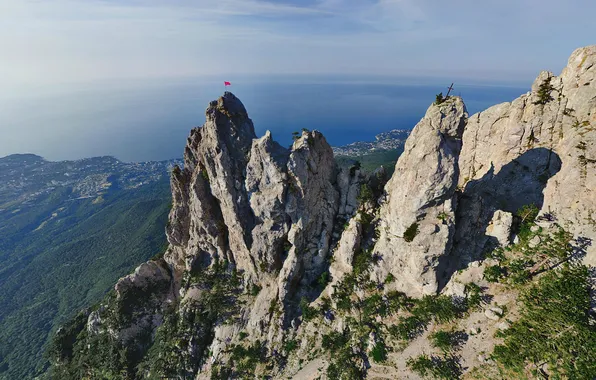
x=70 y=41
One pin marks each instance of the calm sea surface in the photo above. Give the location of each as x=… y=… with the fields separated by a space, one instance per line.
x=150 y=121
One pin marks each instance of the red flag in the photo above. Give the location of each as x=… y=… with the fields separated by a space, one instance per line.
x=227 y=84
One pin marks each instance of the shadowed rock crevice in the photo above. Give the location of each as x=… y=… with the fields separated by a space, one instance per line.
x=520 y=182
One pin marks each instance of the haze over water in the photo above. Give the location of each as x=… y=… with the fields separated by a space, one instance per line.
x=151 y=120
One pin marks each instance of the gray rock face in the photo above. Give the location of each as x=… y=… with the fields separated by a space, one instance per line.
x=276 y=214
x=536 y=149
x=500 y=227
x=416 y=221
x=140 y=297
x=267 y=210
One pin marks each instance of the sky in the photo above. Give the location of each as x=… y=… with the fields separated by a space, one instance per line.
x=60 y=42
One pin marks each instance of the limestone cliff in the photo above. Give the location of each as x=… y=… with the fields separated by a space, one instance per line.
x=276 y=254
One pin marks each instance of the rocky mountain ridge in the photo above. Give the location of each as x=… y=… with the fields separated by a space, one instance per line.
x=281 y=264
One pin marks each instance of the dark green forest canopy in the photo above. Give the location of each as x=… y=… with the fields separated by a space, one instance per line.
x=54 y=265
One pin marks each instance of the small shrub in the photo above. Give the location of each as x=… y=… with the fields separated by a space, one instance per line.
x=440 y=308
x=365 y=194
x=473 y=295
x=518 y=272
x=323 y=279
x=411 y=232
x=443 y=216
x=446 y=367
x=397 y=300
x=334 y=341
x=493 y=273
x=325 y=305
x=308 y=312
x=447 y=340
x=379 y=352
x=362 y=261
x=544 y=92
x=204 y=174
x=390 y=278
x=255 y=289
x=290 y=346
x=407 y=328
x=439 y=99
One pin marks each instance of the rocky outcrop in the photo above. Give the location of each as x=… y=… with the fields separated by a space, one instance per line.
x=256 y=229
x=538 y=149
x=417 y=219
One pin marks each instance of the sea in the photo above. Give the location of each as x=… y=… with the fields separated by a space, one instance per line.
x=150 y=120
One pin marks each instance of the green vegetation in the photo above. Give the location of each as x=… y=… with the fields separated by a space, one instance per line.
x=323 y=280
x=290 y=345
x=49 y=274
x=447 y=340
x=439 y=99
x=438 y=367
x=544 y=92
x=308 y=312
x=179 y=345
x=379 y=352
x=254 y=290
x=373 y=160
x=246 y=359
x=411 y=232
x=526 y=215
x=555 y=334
x=554 y=328
x=363 y=309
x=365 y=194
x=390 y=278
x=493 y=273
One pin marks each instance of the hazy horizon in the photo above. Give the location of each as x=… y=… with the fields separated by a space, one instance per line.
x=150 y=121
x=112 y=77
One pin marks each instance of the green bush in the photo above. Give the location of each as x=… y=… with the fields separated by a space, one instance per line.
x=308 y=312
x=390 y=278
x=517 y=271
x=493 y=273
x=362 y=261
x=365 y=194
x=290 y=346
x=323 y=279
x=473 y=295
x=440 y=308
x=246 y=359
x=407 y=328
x=397 y=300
x=379 y=352
x=439 y=99
x=555 y=327
x=544 y=92
x=526 y=215
x=411 y=232
x=445 y=367
x=447 y=340
x=255 y=289
x=334 y=341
